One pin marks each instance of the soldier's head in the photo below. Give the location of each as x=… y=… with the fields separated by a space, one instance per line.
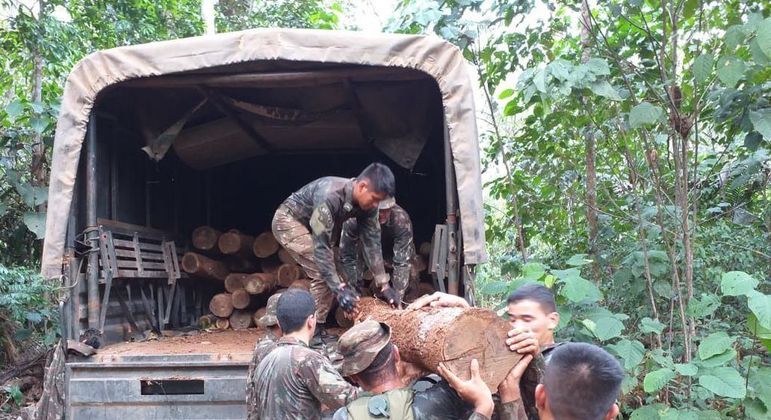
x=532 y=308
x=296 y=313
x=374 y=184
x=269 y=320
x=369 y=357
x=581 y=381
x=384 y=209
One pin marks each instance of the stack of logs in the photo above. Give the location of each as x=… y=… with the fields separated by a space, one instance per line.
x=249 y=269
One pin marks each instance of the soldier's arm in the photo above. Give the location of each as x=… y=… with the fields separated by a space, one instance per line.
x=349 y=241
x=403 y=252
x=325 y=382
x=322 y=223
x=369 y=233
x=512 y=410
x=511 y=406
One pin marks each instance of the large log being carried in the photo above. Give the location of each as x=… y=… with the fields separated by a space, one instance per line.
x=454 y=336
x=201 y=266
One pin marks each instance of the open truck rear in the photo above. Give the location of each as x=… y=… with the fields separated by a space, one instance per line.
x=155 y=140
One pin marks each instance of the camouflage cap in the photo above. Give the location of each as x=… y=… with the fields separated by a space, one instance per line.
x=269 y=319
x=360 y=345
x=386 y=203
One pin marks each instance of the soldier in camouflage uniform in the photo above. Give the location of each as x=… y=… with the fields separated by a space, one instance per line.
x=308 y=225
x=262 y=349
x=370 y=359
x=293 y=381
x=396 y=226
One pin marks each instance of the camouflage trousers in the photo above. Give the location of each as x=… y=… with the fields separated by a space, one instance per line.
x=296 y=239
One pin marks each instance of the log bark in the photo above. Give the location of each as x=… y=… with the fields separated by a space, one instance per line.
x=259 y=283
x=234 y=242
x=202 y=266
x=454 y=336
x=259 y=313
x=241 y=299
x=206 y=321
x=265 y=245
x=235 y=281
x=222 y=323
x=301 y=284
x=285 y=257
x=241 y=319
x=221 y=305
x=205 y=238
x=287 y=273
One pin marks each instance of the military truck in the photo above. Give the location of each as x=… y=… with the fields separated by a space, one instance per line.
x=155 y=140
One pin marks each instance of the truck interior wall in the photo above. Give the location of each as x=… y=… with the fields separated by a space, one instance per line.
x=171 y=196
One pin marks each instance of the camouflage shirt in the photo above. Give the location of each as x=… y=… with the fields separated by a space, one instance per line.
x=324 y=205
x=261 y=349
x=532 y=377
x=293 y=381
x=398 y=228
x=439 y=402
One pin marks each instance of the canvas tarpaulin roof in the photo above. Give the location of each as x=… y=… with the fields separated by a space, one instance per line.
x=433 y=56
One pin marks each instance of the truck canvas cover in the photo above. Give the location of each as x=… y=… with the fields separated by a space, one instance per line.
x=228 y=54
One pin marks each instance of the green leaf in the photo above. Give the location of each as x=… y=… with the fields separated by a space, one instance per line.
x=737 y=283
x=761 y=121
x=763 y=37
x=702 y=67
x=715 y=343
x=725 y=382
x=604 y=325
x=648 y=412
x=14 y=109
x=33 y=196
x=22 y=334
x=632 y=352
x=700 y=308
x=757 y=330
x=36 y=223
x=578 y=260
x=644 y=114
x=760 y=384
x=533 y=270
x=3 y=209
x=539 y=80
x=648 y=325
x=494 y=288
x=38 y=124
x=604 y=89
x=760 y=305
x=686 y=369
x=578 y=290
x=598 y=66
x=730 y=70
x=506 y=93
x=734 y=36
x=657 y=379
x=757 y=53
x=719 y=360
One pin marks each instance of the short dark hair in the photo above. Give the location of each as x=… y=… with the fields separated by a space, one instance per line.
x=537 y=293
x=381 y=367
x=380 y=178
x=293 y=309
x=582 y=381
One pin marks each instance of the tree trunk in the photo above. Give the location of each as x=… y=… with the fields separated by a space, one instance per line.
x=205 y=238
x=38 y=167
x=235 y=281
x=265 y=245
x=234 y=242
x=241 y=299
x=589 y=145
x=287 y=273
x=454 y=336
x=201 y=266
x=221 y=305
x=241 y=319
x=259 y=283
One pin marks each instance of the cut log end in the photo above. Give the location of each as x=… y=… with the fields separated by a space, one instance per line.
x=241 y=299
x=202 y=266
x=222 y=323
x=259 y=283
x=301 y=284
x=235 y=281
x=265 y=245
x=259 y=313
x=287 y=273
x=235 y=243
x=205 y=238
x=425 y=249
x=221 y=305
x=241 y=319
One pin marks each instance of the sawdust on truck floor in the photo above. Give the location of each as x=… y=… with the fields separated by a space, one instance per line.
x=226 y=341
